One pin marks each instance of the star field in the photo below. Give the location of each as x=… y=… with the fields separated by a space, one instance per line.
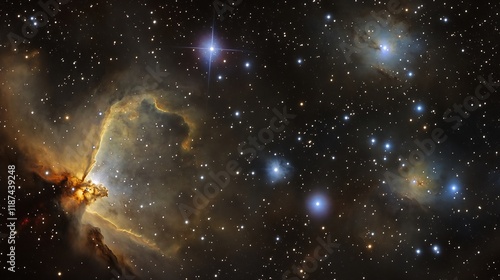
x=250 y=140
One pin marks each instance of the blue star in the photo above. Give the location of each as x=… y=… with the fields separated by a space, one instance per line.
x=436 y=249
x=210 y=49
x=453 y=188
x=385 y=51
x=318 y=204
x=278 y=170
x=419 y=108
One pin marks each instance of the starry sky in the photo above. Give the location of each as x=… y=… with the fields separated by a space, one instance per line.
x=241 y=139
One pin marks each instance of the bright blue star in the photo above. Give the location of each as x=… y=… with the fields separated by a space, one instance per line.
x=453 y=188
x=278 y=169
x=318 y=204
x=385 y=51
x=419 y=108
x=210 y=49
x=436 y=249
